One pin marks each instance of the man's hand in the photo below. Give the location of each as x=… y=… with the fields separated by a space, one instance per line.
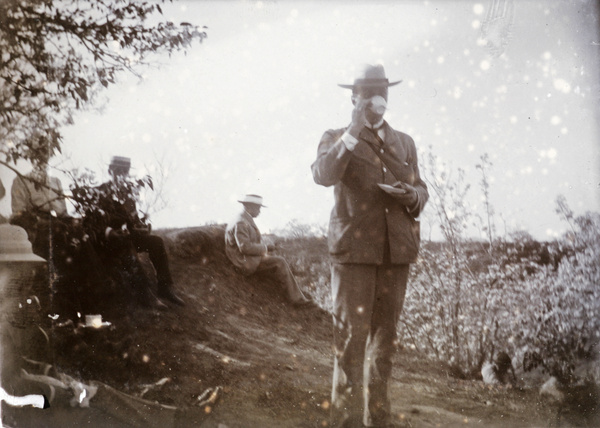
x=118 y=235
x=408 y=199
x=358 y=116
x=142 y=229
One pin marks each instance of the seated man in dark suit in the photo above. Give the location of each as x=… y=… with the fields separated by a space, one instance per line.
x=123 y=226
x=244 y=248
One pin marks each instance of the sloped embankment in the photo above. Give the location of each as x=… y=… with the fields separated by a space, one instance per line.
x=263 y=363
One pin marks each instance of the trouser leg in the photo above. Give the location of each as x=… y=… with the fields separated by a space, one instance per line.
x=353 y=294
x=157 y=252
x=122 y=256
x=390 y=288
x=280 y=271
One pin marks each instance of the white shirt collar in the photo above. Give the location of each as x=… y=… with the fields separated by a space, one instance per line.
x=375 y=126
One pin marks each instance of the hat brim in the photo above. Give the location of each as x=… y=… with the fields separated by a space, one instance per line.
x=253 y=203
x=370 y=85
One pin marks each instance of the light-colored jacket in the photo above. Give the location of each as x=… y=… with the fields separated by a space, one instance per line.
x=26 y=198
x=243 y=244
x=365 y=219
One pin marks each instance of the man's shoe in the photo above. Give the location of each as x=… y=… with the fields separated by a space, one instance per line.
x=154 y=303
x=171 y=297
x=305 y=304
x=160 y=305
x=150 y=301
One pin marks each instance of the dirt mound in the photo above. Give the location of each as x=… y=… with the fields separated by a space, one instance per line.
x=237 y=355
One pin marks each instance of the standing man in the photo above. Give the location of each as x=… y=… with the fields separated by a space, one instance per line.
x=373 y=238
x=124 y=226
x=245 y=249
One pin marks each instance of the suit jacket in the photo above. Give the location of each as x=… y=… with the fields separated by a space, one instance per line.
x=119 y=207
x=365 y=219
x=109 y=205
x=243 y=244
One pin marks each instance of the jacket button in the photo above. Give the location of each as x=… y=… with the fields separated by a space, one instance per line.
x=387 y=210
x=384 y=169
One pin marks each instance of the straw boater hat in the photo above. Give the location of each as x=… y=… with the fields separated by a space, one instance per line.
x=371 y=76
x=252 y=199
x=120 y=162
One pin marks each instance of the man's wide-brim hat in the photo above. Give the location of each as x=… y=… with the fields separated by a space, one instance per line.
x=120 y=162
x=371 y=76
x=252 y=199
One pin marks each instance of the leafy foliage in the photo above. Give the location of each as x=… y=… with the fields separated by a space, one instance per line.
x=90 y=199
x=469 y=300
x=56 y=55
x=561 y=326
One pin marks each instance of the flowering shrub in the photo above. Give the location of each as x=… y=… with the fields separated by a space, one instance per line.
x=468 y=300
x=560 y=327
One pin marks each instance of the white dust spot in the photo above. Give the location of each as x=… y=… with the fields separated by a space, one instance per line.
x=551 y=153
x=562 y=86
x=527 y=170
x=471 y=147
x=555 y=120
x=564 y=130
x=547 y=55
x=440 y=59
x=513 y=119
x=476 y=24
x=484 y=65
x=478 y=8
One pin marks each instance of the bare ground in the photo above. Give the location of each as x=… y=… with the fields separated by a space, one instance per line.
x=267 y=364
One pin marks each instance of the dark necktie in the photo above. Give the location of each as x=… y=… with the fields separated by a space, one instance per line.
x=375 y=132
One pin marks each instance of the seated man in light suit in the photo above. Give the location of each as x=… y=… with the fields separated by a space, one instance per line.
x=38 y=206
x=244 y=248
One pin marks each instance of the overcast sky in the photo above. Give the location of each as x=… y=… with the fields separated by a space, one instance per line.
x=244 y=111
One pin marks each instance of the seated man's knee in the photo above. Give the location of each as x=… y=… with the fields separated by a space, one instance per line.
x=155 y=242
